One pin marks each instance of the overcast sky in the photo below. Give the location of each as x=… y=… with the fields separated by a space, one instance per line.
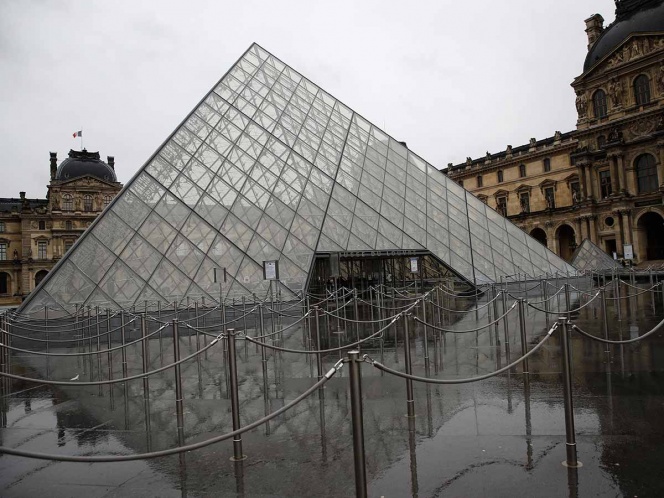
x=452 y=79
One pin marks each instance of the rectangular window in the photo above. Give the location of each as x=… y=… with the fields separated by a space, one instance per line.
x=605 y=183
x=2 y=226
x=68 y=244
x=479 y=181
x=4 y=283
x=522 y=170
x=524 y=199
x=547 y=165
x=501 y=205
x=574 y=188
x=41 y=249
x=3 y=251
x=550 y=198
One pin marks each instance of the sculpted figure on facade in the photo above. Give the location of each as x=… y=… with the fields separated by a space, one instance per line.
x=581 y=104
x=615 y=92
x=660 y=79
x=636 y=50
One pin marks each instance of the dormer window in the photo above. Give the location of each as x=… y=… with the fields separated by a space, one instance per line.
x=599 y=104
x=642 y=90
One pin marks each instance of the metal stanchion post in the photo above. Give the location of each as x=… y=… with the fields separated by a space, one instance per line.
x=570 y=436
x=179 y=407
x=357 y=423
x=357 y=317
x=145 y=356
x=506 y=331
x=410 y=398
x=522 y=331
x=235 y=399
x=605 y=324
x=425 y=342
x=319 y=359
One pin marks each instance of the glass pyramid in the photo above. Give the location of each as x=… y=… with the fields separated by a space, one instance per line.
x=589 y=256
x=269 y=166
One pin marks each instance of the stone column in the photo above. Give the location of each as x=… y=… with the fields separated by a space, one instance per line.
x=581 y=232
x=627 y=227
x=619 y=232
x=582 y=181
x=592 y=228
x=620 y=166
x=613 y=161
x=593 y=191
x=660 y=164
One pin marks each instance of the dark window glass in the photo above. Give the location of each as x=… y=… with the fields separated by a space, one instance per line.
x=68 y=244
x=68 y=225
x=550 y=198
x=479 y=181
x=41 y=249
x=601 y=140
x=2 y=226
x=67 y=202
x=547 y=165
x=461 y=183
x=605 y=183
x=500 y=177
x=501 y=205
x=4 y=283
x=522 y=170
x=87 y=202
x=642 y=90
x=42 y=225
x=3 y=251
x=524 y=199
x=599 y=104
x=646 y=174
x=107 y=200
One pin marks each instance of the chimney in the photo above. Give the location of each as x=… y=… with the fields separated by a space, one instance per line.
x=110 y=160
x=54 y=164
x=594 y=28
x=22 y=194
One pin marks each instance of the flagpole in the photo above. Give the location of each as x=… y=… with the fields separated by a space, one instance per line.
x=81 y=138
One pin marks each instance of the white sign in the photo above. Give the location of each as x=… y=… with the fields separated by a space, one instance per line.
x=270 y=270
x=413 y=265
x=628 y=251
x=615 y=255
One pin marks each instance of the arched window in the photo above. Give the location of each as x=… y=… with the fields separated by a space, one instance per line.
x=646 y=173
x=87 y=202
x=599 y=104
x=479 y=181
x=67 y=202
x=522 y=170
x=642 y=90
x=547 y=165
x=107 y=200
x=500 y=176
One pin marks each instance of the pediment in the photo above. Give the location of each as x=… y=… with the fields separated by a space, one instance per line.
x=85 y=182
x=634 y=47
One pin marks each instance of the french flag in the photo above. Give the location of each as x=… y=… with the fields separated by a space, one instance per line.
x=78 y=133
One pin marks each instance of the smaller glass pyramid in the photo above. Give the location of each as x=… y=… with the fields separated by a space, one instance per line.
x=589 y=256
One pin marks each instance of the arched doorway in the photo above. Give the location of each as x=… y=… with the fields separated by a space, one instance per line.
x=40 y=276
x=539 y=235
x=651 y=235
x=566 y=241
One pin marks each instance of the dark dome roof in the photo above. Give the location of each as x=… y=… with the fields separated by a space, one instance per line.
x=632 y=17
x=84 y=163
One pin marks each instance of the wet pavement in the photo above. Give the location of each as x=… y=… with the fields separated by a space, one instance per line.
x=498 y=437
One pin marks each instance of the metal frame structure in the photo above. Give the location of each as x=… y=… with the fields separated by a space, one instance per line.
x=269 y=166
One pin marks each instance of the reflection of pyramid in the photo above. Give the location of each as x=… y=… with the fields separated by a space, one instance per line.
x=270 y=167
x=589 y=256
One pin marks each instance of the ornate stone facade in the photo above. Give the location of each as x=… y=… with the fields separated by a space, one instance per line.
x=605 y=180
x=35 y=233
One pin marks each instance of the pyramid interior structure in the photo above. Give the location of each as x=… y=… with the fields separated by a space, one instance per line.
x=589 y=256
x=269 y=166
